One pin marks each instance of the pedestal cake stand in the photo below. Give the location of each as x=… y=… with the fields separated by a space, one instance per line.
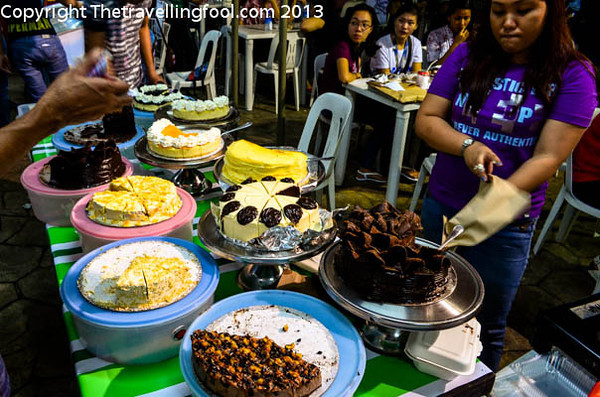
x=262 y=269
x=188 y=177
x=384 y=323
x=227 y=122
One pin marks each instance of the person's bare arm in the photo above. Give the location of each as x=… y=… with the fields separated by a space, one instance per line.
x=555 y=144
x=344 y=74
x=273 y=4
x=432 y=127
x=70 y=99
x=146 y=50
x=311 y=24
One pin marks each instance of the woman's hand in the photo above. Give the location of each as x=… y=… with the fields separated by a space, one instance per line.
x=481 y=160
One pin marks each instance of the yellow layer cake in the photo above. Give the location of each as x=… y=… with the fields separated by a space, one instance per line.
x=245 y=160
x=135 y=201
x=197 y=110
x=167 y=140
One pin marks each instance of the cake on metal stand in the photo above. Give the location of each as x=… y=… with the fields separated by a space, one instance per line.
x=385 y=324
x=188 y=176
x=262 y=269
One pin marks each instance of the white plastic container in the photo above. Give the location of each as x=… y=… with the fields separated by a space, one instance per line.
x=51 y=205
x=446 y=354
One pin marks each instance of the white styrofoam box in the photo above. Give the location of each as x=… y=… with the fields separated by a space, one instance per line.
x=448 y=353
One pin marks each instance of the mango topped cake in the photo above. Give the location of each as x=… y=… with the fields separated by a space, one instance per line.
x=150 y=97
x=198 y=110
x=245 y=159
x=246 y=211
x=135 y=201
x=166 y=140
x=140 y=276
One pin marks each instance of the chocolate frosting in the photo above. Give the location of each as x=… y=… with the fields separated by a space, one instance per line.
x=380 y=260
x=121 y=125
x=86 y=167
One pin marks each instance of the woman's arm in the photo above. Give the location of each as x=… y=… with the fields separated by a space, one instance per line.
x=557 y=141
x=432 y=127
x=146 y=50
x=344 y=74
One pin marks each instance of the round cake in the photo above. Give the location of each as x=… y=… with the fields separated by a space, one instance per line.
x=139 y=276
x=380 y=260
x=197 y=110
x=135 y=201
x=166 y=140
x=150 y=97
x=246 y=211
x=84 y=168
x=245 y=159
x=119 y=127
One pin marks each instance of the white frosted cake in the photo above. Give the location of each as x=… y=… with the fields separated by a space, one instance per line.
x=198 y=110
x=165 y=139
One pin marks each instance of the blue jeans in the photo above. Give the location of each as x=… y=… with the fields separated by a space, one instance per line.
x=500 y=261
x=38 y=58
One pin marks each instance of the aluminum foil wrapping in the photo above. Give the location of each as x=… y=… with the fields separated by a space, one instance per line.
x=280 y=238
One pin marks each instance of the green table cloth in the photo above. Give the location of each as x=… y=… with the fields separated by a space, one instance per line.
x=384 y=376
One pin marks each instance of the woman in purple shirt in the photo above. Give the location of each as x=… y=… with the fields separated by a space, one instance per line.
x=513 y=102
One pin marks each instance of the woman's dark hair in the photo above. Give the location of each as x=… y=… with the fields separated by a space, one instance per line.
x=406 y=8
x=459 y=5
x=368 y=45
x=548 y=58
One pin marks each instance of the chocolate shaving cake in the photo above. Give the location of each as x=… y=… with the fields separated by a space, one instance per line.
x=84 y=168
x=235 y=365
x=380 y=260
x=119 y=127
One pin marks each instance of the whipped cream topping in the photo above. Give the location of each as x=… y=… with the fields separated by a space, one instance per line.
x=197 y=137
x=199 y=105
x=157 y=87
x=158 y=99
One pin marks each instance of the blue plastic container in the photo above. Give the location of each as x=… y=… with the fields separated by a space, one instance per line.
x=138 y=337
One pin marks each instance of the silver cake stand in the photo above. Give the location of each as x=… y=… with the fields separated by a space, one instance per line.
x=384 y=323
x=262 y=269
x=226 y=122
x=189 y=177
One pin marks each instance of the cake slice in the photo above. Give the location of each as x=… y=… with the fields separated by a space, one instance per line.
x=132 y=290
x=236 y=365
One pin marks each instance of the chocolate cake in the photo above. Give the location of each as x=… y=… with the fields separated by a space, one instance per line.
x=235 y=365
x=380 y=260
x=84 y=168
x=119 y=127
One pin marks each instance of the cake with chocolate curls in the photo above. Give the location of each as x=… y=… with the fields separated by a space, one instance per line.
x=380 y=260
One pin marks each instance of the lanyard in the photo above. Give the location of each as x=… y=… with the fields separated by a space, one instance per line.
x=400 y=60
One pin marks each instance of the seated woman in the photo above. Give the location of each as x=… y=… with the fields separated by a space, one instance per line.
x=343 y=65
x=399 y=51
x=441 y=42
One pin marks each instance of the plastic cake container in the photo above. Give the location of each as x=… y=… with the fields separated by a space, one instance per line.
x=94 y=235
x=448 y=353
x=51 y=205
x=138 y=337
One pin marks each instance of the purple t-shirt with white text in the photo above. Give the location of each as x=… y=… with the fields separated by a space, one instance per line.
x=509 y=131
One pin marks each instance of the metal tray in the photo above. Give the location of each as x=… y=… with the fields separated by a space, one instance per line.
x=226 y=122
x=456 y=308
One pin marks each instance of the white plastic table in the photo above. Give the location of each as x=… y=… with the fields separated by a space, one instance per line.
x=359 y=87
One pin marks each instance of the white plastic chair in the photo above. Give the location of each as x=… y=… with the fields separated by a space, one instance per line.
x=425 y=170
x=178 y=79
x=161 y=49
x=318 y=69
x=574 y=205
x=293 y=60
x=340 y=108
